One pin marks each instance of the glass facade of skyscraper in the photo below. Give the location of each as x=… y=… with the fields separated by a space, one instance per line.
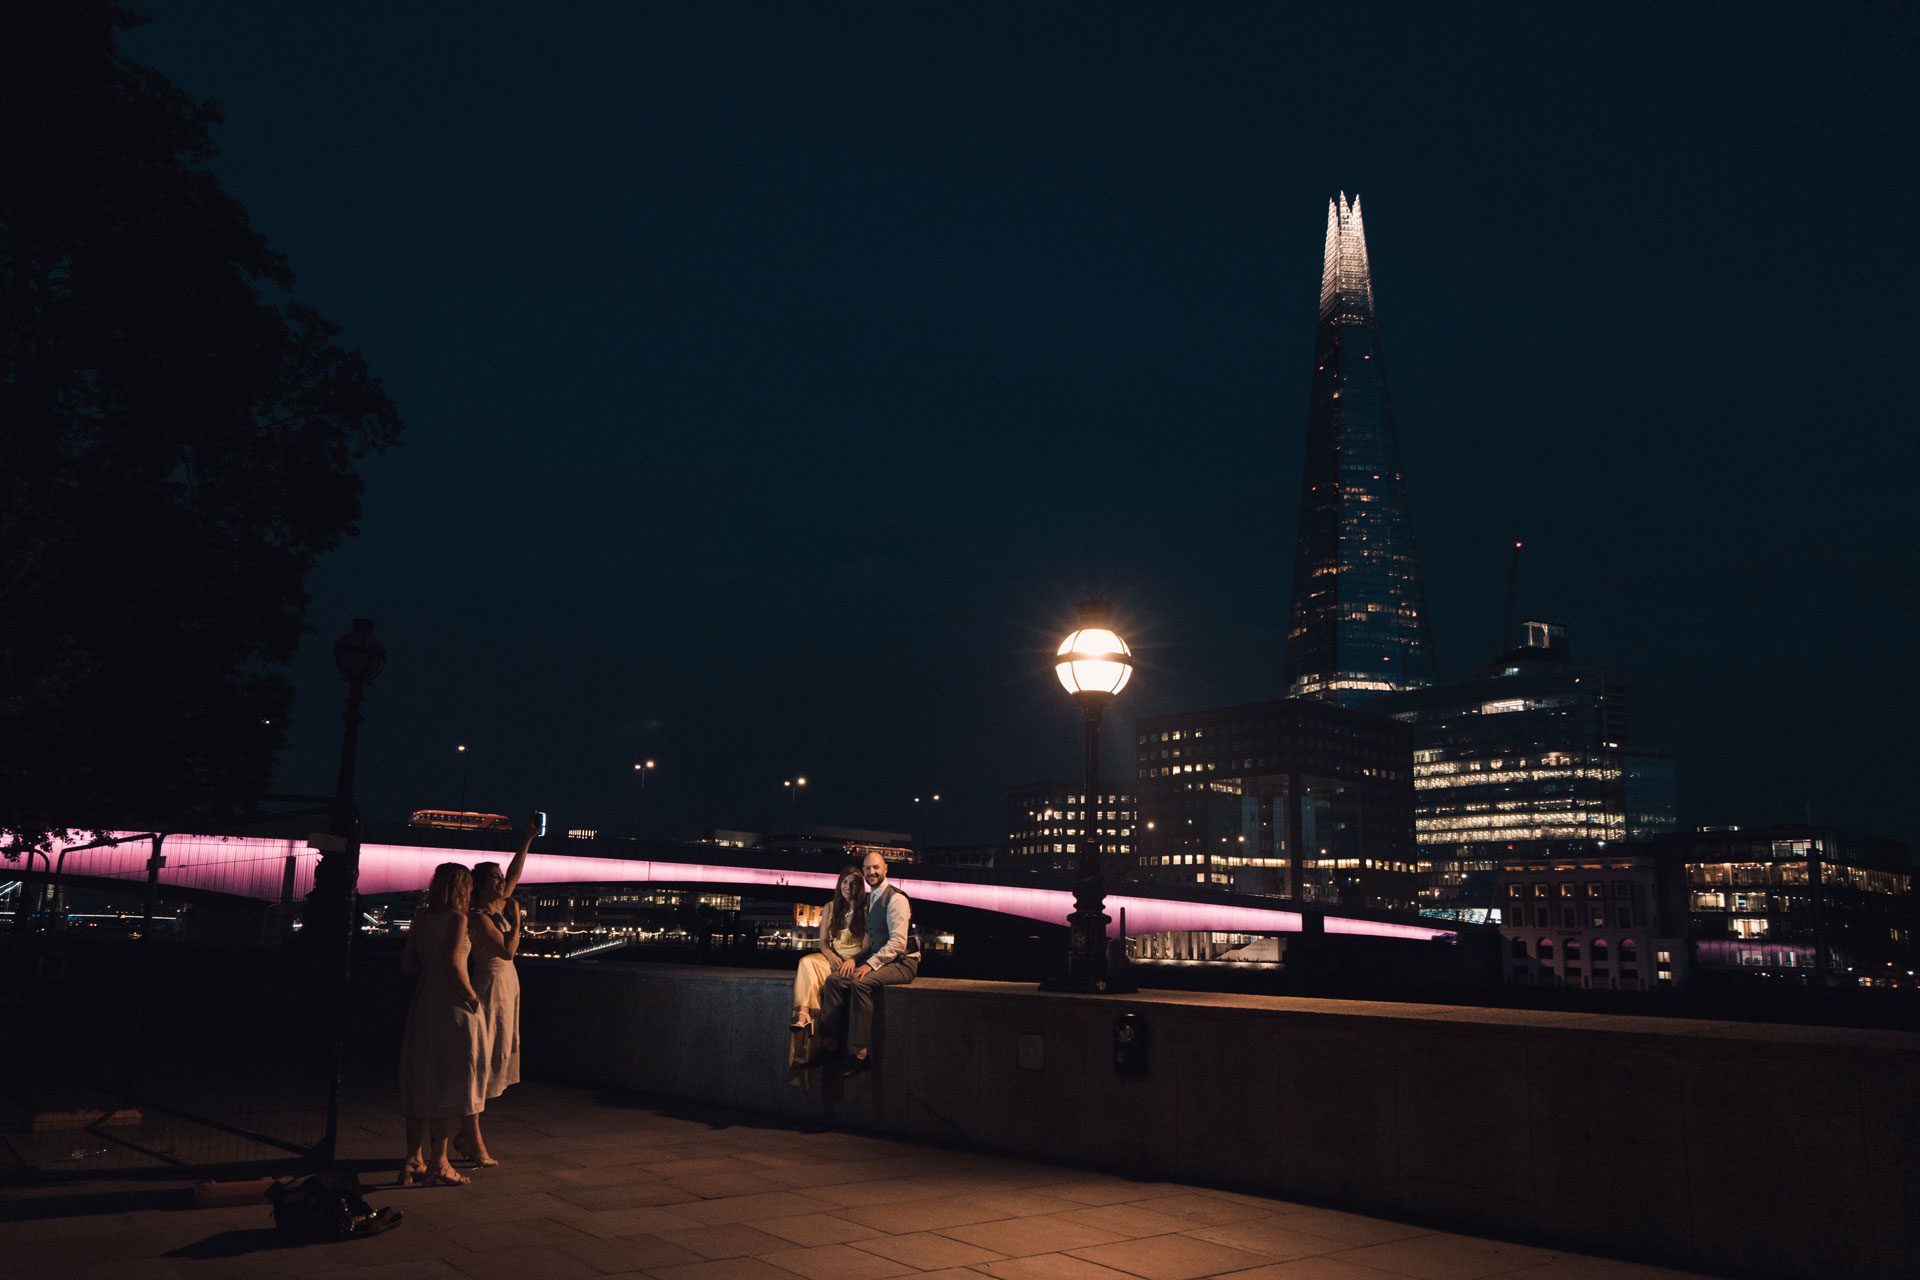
x=1529 y=760
x=1359 y=624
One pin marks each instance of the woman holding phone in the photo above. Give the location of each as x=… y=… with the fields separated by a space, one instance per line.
x=494 y=922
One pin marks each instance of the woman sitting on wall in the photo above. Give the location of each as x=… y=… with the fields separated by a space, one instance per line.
x=843 y=932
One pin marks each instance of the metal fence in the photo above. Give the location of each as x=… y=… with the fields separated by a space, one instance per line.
x=161 y=1028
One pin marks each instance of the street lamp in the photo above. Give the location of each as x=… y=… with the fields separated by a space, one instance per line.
x=923 y=807
x=794 y=786
x=641 y=769
x=466 y=771
x=332 y=912
x=1093 y=664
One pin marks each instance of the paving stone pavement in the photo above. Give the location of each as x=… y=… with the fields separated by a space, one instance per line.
x=591 y=1185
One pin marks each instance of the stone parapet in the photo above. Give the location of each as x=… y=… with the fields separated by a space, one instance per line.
x=1730 y=1147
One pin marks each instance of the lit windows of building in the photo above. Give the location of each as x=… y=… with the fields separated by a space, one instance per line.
x=1285 y=798
x=1593 y=951
x=1799 y=904
x=1525 y=760
x=1047 y=820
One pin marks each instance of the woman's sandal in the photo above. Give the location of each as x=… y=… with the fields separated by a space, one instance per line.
x=485 y=1162
x=448 y=1177
x=412 y=1174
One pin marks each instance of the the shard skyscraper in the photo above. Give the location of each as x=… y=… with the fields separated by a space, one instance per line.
x=1359 y=624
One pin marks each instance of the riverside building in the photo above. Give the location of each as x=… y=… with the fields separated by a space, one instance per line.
x=1292 y=798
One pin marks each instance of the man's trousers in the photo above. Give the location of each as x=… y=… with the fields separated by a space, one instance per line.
x=860 y=1022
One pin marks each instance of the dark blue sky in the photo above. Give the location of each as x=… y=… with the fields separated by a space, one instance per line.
x=778 y=376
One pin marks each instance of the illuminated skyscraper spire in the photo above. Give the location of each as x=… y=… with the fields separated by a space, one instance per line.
x=1359 y=625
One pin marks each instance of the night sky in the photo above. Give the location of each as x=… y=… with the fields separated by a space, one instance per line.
x=778 y=377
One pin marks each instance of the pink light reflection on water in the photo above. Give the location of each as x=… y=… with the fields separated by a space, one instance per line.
x=253 y=867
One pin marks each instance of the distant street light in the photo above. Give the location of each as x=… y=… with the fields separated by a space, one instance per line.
x=1093 y=664
x=923 y=807
x=640 y=770
x=466 y=771
x=794 y=786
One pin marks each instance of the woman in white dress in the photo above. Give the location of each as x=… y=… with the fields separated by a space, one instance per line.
x=443 y=1057
x=494 y=922
x=843 y=932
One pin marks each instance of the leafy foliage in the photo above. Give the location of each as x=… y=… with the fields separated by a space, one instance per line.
x=178 y=444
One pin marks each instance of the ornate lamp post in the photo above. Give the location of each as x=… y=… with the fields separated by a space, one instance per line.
x=1093 y=664
x=332 y=911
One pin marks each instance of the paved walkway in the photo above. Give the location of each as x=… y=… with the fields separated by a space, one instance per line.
x=593 y=1185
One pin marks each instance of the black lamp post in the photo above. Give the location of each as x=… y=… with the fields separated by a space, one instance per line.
x=333 y=910
x=1093 y=664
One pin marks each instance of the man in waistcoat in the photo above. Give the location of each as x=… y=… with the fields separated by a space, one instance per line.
x=889 y=960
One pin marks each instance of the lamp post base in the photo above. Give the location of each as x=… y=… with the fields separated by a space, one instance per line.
x=1087 y=970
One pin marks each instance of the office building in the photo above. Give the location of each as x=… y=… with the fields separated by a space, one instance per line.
x=1808 y=905
x=1293 y=798
x=1358 y=625
x=1047 y=820
x=1609 y=919
x=1530 y=759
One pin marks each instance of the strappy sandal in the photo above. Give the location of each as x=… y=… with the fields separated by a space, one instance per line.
x=448 y=1177
x=466 y=1152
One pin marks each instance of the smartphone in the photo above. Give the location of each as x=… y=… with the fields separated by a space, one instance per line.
x=540 y=822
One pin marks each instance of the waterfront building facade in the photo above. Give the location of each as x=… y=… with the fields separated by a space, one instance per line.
x=1358 y=625
x=1803 y=904
x=1292 y=798
x=1610 y=919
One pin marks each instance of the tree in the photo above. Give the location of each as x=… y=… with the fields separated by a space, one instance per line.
x=178 y=445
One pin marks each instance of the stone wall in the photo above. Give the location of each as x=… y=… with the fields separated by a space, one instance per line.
x=1719 y=1146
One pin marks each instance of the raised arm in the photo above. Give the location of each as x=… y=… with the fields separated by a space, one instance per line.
x=519 y=862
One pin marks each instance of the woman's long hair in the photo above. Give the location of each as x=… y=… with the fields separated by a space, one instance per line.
x=451 y=887
x=849 y=904
x=487 y=873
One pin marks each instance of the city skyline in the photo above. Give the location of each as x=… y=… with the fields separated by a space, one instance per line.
x=703 y=353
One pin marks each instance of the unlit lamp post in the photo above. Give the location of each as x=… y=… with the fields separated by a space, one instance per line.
x=1093 y=664
x=360 y=656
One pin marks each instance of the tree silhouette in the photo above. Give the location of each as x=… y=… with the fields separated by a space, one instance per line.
x=178 y=440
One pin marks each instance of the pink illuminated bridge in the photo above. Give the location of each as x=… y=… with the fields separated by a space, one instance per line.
x=256 y=867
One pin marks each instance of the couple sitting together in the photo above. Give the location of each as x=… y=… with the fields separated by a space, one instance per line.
x=866 y=942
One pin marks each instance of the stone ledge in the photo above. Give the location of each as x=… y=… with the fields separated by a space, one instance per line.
x=1721 y=1146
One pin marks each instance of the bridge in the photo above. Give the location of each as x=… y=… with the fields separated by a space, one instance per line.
x=272 y=869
